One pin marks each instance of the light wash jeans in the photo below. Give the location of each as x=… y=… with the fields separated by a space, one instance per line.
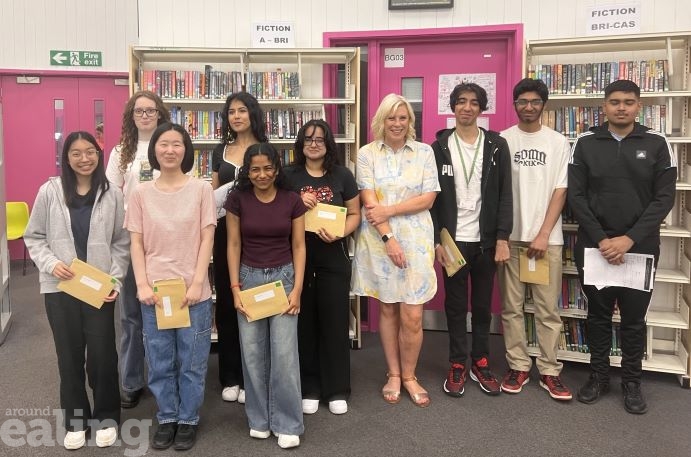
x=270 y=363
x=178 y=359
x=131 y=341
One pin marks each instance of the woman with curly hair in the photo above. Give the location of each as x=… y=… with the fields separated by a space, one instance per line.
x=128 y=166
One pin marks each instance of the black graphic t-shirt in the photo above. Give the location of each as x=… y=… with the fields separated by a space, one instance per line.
x=334 y=188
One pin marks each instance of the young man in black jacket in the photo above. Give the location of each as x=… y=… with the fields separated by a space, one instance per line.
x=475 y=206
x=621 y=187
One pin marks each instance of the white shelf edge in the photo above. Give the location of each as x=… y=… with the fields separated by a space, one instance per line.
x=262 y=101
x=673 y=231
x=665 y=363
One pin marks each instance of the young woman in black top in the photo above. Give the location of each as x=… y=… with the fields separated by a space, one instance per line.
x=323 y=340
x=243 y=125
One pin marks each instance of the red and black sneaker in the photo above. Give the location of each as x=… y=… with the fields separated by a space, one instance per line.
x=554 y=386
x=454 y=384
x=514 y=380
x=479 y=372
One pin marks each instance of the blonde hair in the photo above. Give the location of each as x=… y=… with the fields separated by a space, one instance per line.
x=387 y=107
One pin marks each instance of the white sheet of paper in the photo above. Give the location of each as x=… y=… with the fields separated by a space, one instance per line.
x=167 y=307
x=637 y=271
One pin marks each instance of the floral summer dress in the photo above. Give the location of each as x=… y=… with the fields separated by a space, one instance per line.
x=396 y=176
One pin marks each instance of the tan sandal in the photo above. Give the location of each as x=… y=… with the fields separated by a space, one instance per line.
x=420 y=399
x=391 y=396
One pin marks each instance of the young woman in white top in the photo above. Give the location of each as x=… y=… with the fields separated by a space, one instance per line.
x=128 y=166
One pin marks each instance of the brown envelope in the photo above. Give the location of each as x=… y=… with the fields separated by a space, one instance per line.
x=533 y=271
x=89 y=284
x=457 y=260
x=264 y=301
x=171 y=314
x=329 y=217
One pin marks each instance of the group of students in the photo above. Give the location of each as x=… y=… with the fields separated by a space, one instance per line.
x=143 y=218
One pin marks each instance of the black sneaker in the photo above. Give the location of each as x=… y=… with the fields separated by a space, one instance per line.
x=164 y=436
x=591 y=391
x=185 y=437
x=454 y=384
x=130 y=399
x=480 y=373
x=634 y=402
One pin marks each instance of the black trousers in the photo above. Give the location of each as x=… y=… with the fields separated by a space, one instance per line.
x=633 y=306
x=79 y=328
x=229 y=358
x=323 y=341
x=478 y=275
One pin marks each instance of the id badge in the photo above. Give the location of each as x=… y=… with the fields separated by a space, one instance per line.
x=468 y=204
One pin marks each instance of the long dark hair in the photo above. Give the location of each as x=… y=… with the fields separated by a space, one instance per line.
x=69 y=177
x=257 y=121
x=243 y=182
x=331 y=156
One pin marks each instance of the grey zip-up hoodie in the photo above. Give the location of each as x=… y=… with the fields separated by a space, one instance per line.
x=49 y=238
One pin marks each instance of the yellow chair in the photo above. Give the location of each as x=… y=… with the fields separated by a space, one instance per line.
x=17 y=220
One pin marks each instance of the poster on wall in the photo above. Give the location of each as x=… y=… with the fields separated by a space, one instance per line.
x=487 y=81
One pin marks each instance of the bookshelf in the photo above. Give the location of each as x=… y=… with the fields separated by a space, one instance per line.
x=291 y=85
x=576 y=70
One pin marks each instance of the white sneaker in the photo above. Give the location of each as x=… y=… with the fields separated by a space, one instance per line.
x=75 y=440
x=309 y=406
x=338 y=406
x=241 y=396
x=230 y=393
x=106 y=437
x=258 y=434
x=287 y=441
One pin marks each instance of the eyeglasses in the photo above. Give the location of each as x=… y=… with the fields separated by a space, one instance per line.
x=139 y=112
x=319 y=141
x=76 y=153
x=535 y=103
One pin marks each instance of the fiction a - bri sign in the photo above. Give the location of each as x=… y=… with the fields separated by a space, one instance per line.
x=619 y=19
x=273 y=35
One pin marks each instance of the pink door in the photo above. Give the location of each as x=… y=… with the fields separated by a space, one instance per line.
x=37 y=117
x=429 y=72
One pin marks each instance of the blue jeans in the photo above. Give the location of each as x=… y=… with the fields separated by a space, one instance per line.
x=270 y=363
x=178 y=359
x=131 y=342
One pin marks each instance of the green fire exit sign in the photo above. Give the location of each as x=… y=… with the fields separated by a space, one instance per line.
x=76 y=58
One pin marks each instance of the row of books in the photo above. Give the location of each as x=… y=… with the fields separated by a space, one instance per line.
x=285 y=123
x=571 y=297
x=592 y=78
x=203 y=158
x=191 y=84
x=200 y=124
x=571 y=121
x=273 y=85
x=207 y=125
x=573 y=336
x=568 y=255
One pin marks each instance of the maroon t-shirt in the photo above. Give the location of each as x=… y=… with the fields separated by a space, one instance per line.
x=265 y=227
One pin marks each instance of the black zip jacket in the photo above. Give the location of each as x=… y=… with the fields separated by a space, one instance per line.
x=496 y=211
x=622 y=187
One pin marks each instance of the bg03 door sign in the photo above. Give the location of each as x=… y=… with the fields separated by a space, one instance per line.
x=394 y=58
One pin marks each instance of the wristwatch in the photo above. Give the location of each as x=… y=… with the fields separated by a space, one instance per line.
x=386 y=237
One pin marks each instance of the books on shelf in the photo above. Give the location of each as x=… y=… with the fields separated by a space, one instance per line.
x=285 y=123
x=571 y=121
x=273 y=85
x=592 y=78
x=210 y=83
x=200 y=124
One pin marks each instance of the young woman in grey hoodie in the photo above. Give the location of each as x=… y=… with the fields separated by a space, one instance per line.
x=79 y=215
